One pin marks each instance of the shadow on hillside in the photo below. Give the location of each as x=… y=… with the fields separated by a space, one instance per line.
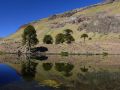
x=39 y=49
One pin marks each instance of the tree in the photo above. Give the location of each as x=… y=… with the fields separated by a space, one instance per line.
x=60 y=38
x=68 y=31
x=29 y=37
x=68 y=37
x=84 y=36
x=48 y=39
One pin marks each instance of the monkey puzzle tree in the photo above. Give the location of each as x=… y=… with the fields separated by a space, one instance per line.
x=84 y=36
x=29 y=37
x=68 y=37
x=59 y=38
x=68 y=31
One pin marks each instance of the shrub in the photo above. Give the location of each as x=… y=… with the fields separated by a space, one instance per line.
x=90 y=38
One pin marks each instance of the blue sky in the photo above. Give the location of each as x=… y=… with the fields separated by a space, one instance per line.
x=14 y=13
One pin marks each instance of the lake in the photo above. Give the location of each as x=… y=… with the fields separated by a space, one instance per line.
x=55 y=72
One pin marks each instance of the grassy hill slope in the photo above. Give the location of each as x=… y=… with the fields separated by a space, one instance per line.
x=101 y=22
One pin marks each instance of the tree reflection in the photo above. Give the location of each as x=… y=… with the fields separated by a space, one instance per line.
x=59 y=67
x=29 y=69
x=66 y=68
x=37 y=57
x=47 y=66
x=84 y=69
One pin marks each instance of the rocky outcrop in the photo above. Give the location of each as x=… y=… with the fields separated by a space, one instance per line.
x=102 y=24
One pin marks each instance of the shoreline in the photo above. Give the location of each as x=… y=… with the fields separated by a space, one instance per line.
x=86 y=54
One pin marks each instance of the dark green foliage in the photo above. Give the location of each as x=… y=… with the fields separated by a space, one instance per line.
x=84 y=36
x=84 y=69
x=66 y=68
x=69 y=38
x=29 y=36
x=60 y=38
x=48 y=39
x=29 y=70
x=90 y=38
x=66 y=37
x=47 y=66
x=59 y=67
x=68 y=31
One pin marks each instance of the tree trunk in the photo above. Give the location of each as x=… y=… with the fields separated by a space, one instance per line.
x=84 y=39
x=29 y=46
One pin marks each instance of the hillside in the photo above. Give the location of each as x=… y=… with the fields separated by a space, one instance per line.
x=96 y=20
x=101 y=22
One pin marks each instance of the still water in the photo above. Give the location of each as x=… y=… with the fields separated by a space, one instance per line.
x=59 y=73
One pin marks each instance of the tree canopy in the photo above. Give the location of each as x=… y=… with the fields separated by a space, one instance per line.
x=48 y=39
x=29 y=36
x=59 y=38
x=84 y=36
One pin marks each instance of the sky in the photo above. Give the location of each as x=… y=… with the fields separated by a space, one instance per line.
x=14 y=13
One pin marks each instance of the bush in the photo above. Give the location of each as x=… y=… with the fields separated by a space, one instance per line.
x=84 y=36
x=90 y=38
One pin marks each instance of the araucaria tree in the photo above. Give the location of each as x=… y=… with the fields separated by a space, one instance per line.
x=59 y=38
x=48 y=39
x=29 y=37
x=84 y=36
x=68 y=31
x=68 y=37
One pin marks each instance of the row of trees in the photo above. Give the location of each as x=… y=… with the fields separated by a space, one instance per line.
x=60 y=38
x=29 y=37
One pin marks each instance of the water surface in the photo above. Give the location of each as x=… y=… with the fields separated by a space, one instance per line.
x=59 y=73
